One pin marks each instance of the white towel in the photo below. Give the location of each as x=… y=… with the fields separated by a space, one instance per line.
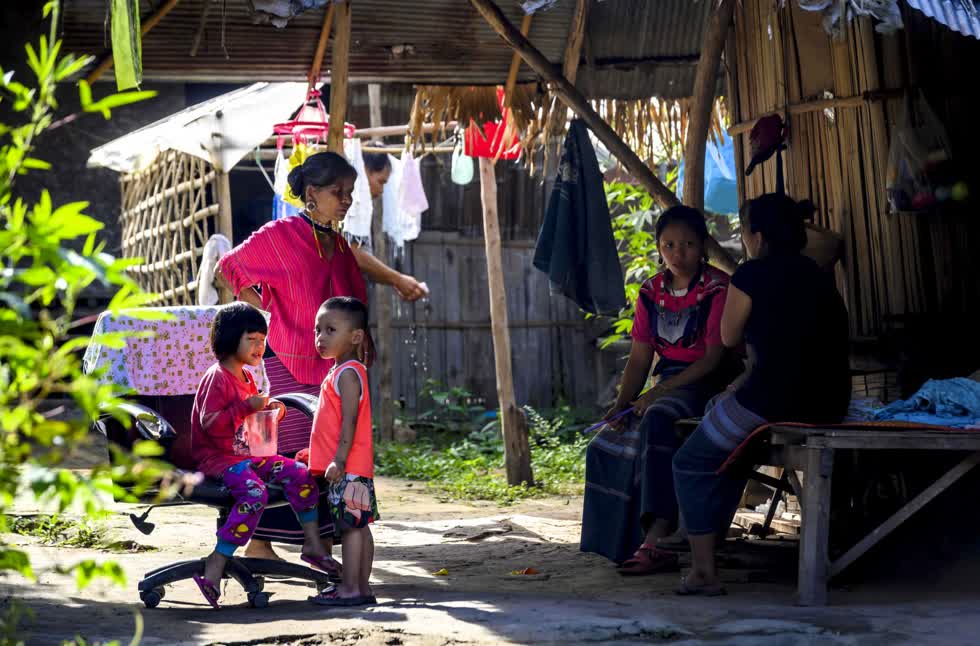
x=404 y=200
x=357 y=224
x=411 y=198
x=216 y=246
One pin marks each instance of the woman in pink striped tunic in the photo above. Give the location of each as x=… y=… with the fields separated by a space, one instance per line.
x=297 y=263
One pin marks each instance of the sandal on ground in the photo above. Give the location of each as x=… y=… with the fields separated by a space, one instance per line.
x=331 y=597
x=325 y=563
x=686 y=589
x=649 y=560
x=209 y=590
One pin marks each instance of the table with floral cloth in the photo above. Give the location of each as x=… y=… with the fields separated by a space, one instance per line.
x=171 y=361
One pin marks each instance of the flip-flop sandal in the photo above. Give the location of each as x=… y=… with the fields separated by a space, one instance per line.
x=330 y=598
x=650 y=560
x=687 y=590
x=325 y=563
x=209 y=590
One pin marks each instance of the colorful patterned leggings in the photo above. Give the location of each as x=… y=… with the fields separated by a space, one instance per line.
x=247 y=481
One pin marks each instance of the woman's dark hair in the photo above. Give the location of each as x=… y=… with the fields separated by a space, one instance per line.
x=376 y=162
x=780 y=220
x=321 y=169
x=686 y=215
x=230 y=323
x=355 y=310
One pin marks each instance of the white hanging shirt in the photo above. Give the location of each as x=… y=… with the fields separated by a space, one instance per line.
x=357 y=224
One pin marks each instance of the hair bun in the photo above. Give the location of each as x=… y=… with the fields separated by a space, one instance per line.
x=296 y=181
x=806 y=210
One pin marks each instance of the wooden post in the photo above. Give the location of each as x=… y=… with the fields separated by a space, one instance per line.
x=145 y=28
x=386 y=407
x=223 y=186
x=517 y=454
x=339 y=64
x=703 y=100
x=581 y=106
x=814 y=559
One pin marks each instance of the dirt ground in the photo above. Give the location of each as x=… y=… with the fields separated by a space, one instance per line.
x=576 y=598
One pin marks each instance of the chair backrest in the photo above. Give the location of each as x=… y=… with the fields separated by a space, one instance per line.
x=176 y=409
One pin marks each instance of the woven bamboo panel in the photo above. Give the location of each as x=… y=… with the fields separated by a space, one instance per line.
x=168 y=213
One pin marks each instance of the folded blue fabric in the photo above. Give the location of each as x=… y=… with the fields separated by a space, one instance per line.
x=943 y=402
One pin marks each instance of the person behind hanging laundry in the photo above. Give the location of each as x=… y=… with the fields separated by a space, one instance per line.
x=793 y=320
x=576 y=247
x=298 y=262
x=629 y=493
x=341 y=445
x=225 y=397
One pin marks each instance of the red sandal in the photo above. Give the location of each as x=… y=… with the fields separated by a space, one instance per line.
x=650 y=560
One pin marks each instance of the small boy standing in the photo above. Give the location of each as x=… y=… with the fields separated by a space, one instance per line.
x=341 y=447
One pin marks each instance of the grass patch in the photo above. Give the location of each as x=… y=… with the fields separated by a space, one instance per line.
x=64 y=531
x=461 y=454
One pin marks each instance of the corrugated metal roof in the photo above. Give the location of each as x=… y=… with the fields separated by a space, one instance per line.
x=635 y=48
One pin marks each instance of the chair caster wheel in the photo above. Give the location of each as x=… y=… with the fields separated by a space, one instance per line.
x=258 y=599
x=151 y=598
x=260 y=582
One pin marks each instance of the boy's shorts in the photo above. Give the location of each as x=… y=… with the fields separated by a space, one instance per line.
x=353 y=503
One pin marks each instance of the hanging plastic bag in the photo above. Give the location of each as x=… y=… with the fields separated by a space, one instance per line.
x=919 y=162
x=300 y=153
x=462 y=165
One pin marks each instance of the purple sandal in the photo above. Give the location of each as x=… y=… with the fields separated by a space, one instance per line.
x=209 y=590
x=325 y=563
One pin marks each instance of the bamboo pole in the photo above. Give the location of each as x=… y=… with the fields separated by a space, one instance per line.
x=321 y=45
x=703 y=100
x=386 y=338
x=856 y=101
x=515 y=62
x=573 y=53
x=517 y=453
x=223 y=185
x=581 y=106
x=339 y=65
x=147 y=25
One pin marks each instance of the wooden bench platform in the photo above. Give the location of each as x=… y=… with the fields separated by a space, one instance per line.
x=812 y=451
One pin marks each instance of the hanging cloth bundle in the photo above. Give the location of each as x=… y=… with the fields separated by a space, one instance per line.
x=127 y=49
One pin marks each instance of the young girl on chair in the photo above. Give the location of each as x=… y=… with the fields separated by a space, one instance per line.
x=225 y=397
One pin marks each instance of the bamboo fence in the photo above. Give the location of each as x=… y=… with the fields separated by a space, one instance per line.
x=169 y=210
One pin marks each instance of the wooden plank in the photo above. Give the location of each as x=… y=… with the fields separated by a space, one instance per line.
x=339 y=65
x=903 y=514
x=814 y=537
x=517 y=455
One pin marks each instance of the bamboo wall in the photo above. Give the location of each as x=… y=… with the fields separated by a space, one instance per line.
x=895 y=264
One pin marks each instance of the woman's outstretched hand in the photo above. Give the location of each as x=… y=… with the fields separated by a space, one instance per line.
x=409 y=288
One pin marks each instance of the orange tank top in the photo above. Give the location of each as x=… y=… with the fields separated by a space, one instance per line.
x=328 y=420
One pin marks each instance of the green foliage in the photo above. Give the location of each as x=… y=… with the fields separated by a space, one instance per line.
x=49 y=255
x=460 y=453
x=634 y=216
x=60 y=530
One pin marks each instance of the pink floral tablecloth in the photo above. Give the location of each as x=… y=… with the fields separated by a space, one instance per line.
x=170 y=362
